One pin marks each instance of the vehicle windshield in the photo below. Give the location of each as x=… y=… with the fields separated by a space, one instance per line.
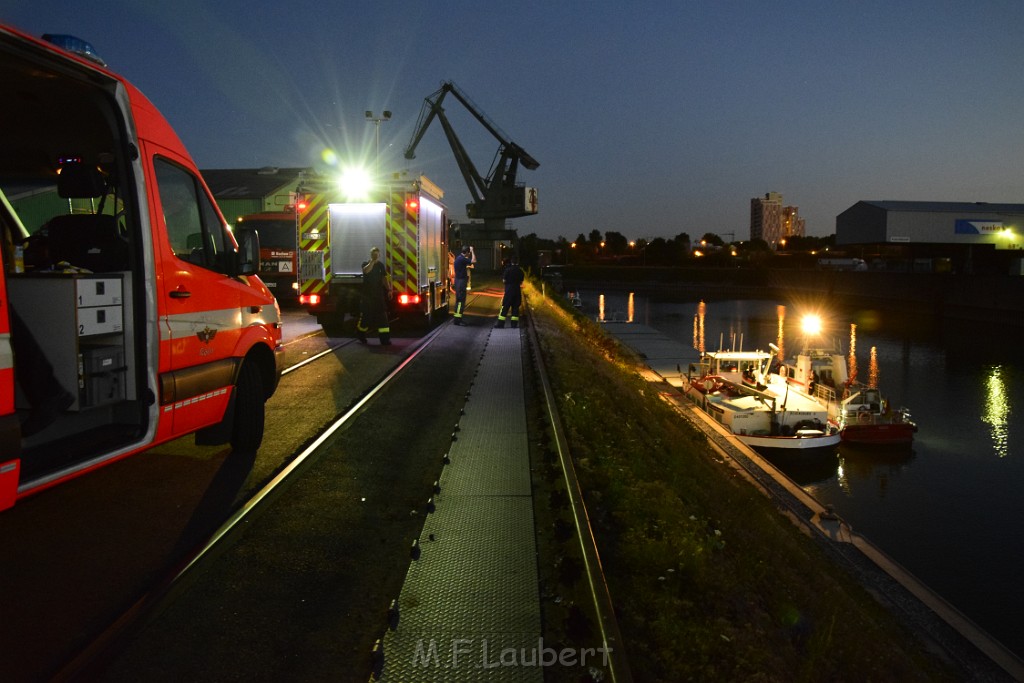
x=274 y=233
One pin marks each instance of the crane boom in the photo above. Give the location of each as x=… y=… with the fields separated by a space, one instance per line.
x=498 y=196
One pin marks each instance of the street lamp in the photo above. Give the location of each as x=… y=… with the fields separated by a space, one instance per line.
x=385 y=116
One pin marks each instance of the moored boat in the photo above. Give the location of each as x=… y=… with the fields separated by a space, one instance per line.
x=860 y=412
x=730 y=387
x=867 y=418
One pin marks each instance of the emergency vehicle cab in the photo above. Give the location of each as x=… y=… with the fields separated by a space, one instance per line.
x=130 y=314
x=276 y=230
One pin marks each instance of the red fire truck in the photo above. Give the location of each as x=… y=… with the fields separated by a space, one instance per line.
x=278 y=261
x=406 y=220
x=130 y=314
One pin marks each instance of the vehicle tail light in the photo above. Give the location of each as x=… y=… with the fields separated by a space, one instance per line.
x=408 y=299
x=309 y=299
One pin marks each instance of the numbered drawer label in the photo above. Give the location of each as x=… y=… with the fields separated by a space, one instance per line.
x=99 y=320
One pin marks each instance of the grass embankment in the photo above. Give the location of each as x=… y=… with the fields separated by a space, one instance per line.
x=709 y=580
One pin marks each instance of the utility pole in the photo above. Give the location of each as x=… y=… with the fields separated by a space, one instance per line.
x=385 y=116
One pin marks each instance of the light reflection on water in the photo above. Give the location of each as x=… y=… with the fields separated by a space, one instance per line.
x=947 y=508
x=997 y=411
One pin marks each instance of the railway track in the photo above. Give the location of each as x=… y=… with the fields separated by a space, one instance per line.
x=97 y=654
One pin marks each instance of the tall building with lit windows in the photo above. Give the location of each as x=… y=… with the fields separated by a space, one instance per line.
x=772 y=222
x=792 y=223
x=766 y=218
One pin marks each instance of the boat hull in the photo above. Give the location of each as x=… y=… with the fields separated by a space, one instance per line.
x=790 y=447
x=892 y=434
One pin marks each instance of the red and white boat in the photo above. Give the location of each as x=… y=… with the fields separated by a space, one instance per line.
x=860 y=412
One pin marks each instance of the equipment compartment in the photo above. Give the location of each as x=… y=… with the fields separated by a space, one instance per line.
x=78 y=322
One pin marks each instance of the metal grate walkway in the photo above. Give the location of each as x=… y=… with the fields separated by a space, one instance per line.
x=469 y=607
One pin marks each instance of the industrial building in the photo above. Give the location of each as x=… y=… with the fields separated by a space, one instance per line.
x=960 y=237
x=242 y=191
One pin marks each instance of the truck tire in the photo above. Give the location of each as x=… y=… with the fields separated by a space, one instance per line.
x=247 y=432
x=333 y=324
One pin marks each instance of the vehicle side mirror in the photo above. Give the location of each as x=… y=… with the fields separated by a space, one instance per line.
x=248 y=261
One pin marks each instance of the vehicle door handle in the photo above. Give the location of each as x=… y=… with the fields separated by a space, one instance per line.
x=181 y=294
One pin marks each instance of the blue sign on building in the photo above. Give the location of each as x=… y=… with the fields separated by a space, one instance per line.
x=967 y=226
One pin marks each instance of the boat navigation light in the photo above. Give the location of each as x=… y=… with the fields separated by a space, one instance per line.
x=811 y=324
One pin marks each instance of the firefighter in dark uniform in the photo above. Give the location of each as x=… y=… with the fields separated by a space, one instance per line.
x=373 y=307
x=463 y=262
x=513 y=279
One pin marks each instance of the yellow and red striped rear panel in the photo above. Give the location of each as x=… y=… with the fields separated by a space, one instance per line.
x=313 y=237
x=402 y=234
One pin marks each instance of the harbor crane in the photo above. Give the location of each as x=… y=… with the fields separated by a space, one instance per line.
x=497 y=197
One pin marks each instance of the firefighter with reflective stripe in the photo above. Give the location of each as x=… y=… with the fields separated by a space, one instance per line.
x=373 y=309
x=463 y=262
x=513 y=278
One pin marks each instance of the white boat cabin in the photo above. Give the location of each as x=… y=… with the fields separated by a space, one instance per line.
x=812 y=368
x=734 y=366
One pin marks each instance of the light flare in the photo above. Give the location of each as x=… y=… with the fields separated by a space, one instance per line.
x=355 y=183
x=329 y=157
x=810 y=324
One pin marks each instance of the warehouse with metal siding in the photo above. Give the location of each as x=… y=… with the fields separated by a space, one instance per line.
x=960 y=237
x=897 y=222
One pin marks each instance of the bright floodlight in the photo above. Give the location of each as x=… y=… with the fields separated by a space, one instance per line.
x=811 y=324
x=355 y=183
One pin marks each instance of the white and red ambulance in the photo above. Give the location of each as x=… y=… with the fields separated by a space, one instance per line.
x=130 y=313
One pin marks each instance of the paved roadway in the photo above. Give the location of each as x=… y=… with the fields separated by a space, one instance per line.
x=78 y=555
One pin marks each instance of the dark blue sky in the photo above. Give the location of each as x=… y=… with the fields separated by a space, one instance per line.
x=648 y=118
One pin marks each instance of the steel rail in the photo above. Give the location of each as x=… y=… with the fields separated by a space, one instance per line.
x=306 y=361
x=93 y=654
x=599 y=592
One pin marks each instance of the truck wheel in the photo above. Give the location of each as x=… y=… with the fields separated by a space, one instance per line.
x=333 y=329
x=334 y=324
x=247 y=432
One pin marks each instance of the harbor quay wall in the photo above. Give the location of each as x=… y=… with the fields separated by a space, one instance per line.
x=976 y=298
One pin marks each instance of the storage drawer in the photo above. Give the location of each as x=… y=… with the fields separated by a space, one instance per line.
x=102 y=359
x=99 y=320
x=98 y=291
x=102 y=389
x=101 y=371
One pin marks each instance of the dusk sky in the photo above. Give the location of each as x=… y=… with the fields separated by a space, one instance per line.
x=648 y=118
